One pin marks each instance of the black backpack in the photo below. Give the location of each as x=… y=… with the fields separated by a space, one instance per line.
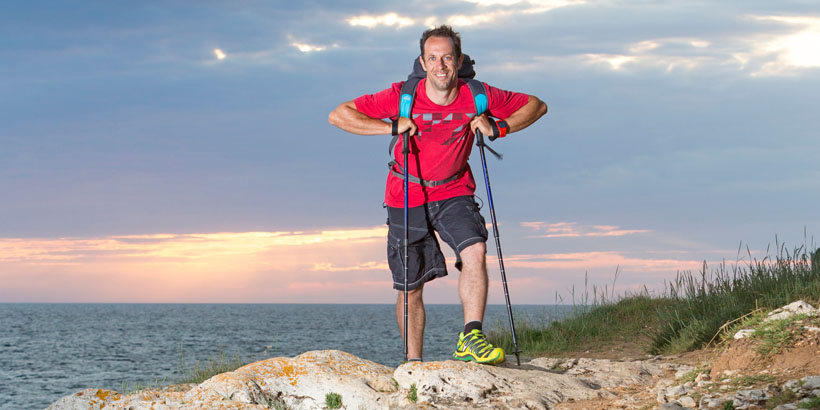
x=408 y=94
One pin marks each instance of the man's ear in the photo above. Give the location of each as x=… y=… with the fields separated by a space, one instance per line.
x=421 y=60
x=460 y=60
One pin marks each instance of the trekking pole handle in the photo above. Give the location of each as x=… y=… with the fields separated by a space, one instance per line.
x=479 y=138
x=479 y=142
x=405 y=143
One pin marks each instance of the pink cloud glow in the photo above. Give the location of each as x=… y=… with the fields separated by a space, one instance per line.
x=199 y=267
x=329 y=266
x=572 y=229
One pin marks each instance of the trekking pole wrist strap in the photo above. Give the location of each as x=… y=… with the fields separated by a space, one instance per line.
x=500 y=129
x=395 y=131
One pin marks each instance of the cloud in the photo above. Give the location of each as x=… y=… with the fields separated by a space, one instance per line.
x=366 y=266
x=573 y=230
x=592 y=260
x=503 y=9
x=306 y=47
x=795 y=50
x=755 y=45
x=193 y=267
x=220 y=55
x=529 y=6
x=388 y=20
x=176 y=246
x=335 y=287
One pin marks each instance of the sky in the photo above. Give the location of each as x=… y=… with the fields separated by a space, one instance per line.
x=172 y=151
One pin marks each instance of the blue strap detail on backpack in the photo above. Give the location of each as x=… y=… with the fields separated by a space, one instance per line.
x=481 y=104
x=405 y=105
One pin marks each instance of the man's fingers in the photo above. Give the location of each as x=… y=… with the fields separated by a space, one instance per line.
x=407 y=125
x=480 y=123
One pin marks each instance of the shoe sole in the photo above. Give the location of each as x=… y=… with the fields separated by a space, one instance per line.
x=471 y=358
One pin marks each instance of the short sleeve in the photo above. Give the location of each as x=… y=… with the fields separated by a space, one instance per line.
x=503 y=103
x=383 y=104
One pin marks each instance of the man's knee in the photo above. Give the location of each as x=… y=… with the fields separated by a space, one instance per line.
x=474 y=254
x=414 y=295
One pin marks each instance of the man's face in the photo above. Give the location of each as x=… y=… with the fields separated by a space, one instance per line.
x=440 y=62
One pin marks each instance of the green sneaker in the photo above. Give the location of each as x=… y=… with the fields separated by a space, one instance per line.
x=474 y=347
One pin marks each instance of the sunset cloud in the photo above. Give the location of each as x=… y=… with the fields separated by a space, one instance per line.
x=573 y=230
x=191 y=267
x=590 y=260
x=175 y=246
x=329 y=267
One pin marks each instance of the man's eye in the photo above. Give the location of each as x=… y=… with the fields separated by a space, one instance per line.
x=448 y=59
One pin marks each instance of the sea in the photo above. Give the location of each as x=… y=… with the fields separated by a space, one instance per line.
x=48 y=351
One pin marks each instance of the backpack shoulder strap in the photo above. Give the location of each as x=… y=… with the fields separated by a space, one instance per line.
x=408 y=94
x=406 y=97
x=479 y=95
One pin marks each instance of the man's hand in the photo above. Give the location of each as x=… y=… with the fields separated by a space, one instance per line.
x=482 y=123
x=407 y=125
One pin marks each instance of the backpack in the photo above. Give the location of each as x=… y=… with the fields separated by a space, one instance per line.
x=408 y=92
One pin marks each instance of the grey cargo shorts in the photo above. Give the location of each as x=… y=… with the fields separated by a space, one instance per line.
x=457 y=221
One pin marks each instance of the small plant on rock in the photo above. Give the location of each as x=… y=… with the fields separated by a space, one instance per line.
x=413 y=394
x=333 y=401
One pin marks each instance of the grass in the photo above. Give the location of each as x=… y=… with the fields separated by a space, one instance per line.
x=691 y=375
x=128 y=388
x=784 y=397
x=812 y=403
x=204 y=371
x=775 y=335
x=688 y=314
x=333 y=400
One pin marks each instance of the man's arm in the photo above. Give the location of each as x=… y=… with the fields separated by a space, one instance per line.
x=350 y=119
x=517 y=121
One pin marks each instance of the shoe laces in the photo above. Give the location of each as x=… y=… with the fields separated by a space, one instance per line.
x=476 y=342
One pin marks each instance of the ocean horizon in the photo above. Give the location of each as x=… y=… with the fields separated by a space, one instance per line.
x=51 y=350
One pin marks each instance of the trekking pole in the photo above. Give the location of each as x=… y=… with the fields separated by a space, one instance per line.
x=479 y=141
x=405 y=151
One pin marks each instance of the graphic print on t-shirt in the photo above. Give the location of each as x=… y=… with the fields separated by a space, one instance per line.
x=428 y=120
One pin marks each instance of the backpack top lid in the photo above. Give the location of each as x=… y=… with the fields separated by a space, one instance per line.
x=466 y=70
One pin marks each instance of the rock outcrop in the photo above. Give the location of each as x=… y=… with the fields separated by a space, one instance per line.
x=305 y=381
x=738 y=376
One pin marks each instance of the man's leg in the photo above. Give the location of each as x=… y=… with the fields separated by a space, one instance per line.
x=472 y=283
x=472 y=289
x=415 y=321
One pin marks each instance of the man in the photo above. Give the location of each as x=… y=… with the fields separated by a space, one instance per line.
x=442 y=124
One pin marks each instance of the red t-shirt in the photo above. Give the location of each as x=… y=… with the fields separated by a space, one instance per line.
x=443 y=142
